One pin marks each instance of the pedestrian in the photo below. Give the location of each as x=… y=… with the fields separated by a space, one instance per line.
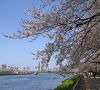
x=89 y=74
x=94 y=74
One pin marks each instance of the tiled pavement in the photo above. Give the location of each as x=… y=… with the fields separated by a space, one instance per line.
x=88 y=84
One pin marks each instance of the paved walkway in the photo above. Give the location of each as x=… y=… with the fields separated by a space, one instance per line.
x=88 y=84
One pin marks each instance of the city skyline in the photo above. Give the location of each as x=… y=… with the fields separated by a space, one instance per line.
x=16 y=52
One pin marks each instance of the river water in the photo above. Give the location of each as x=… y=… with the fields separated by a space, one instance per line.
x=42 y=81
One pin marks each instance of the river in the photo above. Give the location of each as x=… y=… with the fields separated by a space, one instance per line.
x=42 y=81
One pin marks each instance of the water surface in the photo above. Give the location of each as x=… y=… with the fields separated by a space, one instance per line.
x=42 y=81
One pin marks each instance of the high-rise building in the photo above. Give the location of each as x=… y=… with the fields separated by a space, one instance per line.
x=4 y=67
x=0 y=67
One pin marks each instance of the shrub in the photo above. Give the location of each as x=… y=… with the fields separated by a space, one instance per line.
x=68 y=84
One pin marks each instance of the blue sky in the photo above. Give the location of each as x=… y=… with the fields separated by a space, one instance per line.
x=16 y=52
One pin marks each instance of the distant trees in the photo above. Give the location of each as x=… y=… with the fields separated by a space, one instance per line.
x=73 y=26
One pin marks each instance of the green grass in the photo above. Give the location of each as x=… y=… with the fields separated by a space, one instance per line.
x=68 y=84
x=6 y=73
x=13 y=73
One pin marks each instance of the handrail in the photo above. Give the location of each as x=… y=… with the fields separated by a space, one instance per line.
x=76 y=83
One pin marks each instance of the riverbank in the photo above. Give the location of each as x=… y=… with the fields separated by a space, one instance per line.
x=13 y=73
x=68 y=84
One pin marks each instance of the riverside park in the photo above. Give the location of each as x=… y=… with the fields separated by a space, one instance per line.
x=49 y=80
x=49 y=44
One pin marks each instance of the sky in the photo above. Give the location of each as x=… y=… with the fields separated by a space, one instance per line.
x=16 y=52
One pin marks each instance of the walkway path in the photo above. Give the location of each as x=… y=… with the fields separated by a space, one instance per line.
x=88 y=84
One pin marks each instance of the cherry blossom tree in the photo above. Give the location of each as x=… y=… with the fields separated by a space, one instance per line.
x=73 y=27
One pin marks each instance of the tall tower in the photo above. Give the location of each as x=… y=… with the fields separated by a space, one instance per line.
x=39 y=66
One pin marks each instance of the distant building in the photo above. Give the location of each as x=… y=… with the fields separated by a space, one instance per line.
x=0 y=67
x=4 y=67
